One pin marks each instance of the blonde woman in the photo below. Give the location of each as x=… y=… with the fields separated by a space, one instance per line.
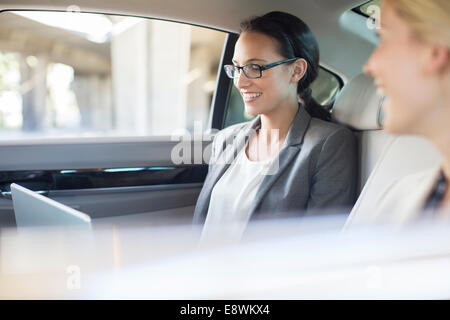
x=411 y=67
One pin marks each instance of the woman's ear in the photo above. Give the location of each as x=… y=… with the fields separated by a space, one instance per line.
x=300 y=67
x=439 y=59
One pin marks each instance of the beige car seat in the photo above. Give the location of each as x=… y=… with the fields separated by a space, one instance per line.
x=383 y=157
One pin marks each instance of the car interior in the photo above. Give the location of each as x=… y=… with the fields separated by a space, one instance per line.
x=124 y=171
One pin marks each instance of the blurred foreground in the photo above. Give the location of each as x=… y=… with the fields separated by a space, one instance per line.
x=286 y=259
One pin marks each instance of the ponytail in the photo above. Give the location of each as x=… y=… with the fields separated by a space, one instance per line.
x=312 y=106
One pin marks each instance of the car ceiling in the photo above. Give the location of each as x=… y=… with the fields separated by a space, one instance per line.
x=338 y=30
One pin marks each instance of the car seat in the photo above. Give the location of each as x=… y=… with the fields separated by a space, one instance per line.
x=383 y=158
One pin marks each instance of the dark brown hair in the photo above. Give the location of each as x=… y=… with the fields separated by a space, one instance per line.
x=295 y=40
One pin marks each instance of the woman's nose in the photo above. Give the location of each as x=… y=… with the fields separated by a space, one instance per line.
x=241 y=80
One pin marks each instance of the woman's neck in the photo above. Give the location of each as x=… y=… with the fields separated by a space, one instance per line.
x=443 y=145
x=439 y=131
x=279 y=119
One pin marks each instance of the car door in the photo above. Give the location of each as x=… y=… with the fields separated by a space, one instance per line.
x=111 y=122
x=115 y=122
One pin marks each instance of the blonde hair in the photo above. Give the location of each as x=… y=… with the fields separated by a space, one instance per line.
x=428 y=19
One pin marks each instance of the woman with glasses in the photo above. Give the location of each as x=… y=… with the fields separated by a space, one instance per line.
x=289 y=159
x=411 y=67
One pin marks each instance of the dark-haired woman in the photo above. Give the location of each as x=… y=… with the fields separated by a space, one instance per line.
x=289 y=159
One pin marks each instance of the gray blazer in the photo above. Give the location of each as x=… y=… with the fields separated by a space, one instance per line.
x=317 y=168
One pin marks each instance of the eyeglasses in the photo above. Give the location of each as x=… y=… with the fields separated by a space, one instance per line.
x=252 y=71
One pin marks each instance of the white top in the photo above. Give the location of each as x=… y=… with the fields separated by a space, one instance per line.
x=232 y=197
x=401 y=203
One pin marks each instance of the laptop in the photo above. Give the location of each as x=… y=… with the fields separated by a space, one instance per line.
x=33 y=209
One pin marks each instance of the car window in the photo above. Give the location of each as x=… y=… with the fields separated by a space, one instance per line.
x=324 y=90
x=366 y=9
x=65 y=74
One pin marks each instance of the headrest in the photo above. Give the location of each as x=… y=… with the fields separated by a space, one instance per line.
x=359 y=105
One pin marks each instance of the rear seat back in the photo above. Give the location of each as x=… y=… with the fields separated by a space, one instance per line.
x=358 y=106
x=383 y=158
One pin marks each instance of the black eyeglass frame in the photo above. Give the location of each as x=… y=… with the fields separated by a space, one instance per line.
x=261 y=67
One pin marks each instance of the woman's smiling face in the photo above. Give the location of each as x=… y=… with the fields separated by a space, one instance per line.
x=276 y=88
x=399 y=65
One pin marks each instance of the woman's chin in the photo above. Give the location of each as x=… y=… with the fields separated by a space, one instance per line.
x=389 y=127
x=394 y=125
x=251 y=111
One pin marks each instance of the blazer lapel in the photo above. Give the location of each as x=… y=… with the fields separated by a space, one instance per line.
x=225 y=159
x=290 y=149
x=415 y=199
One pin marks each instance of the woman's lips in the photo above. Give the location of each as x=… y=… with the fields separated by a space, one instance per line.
x=251 y=96
x=380 y=92
x=380 y=89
